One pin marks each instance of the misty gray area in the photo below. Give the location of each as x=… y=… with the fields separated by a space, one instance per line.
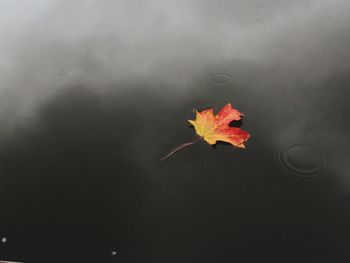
x=93 y=87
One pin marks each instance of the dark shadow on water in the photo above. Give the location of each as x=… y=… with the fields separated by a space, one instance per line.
x=86 y=180
x=236 y=124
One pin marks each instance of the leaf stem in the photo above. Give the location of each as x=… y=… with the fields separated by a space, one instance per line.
x=180 y=147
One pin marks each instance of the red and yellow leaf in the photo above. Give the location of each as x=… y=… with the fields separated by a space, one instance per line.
x=213 y=128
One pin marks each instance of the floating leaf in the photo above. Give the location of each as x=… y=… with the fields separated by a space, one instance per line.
x=213 y=128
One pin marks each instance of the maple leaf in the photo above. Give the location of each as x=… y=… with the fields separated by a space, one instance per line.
x=213 y=128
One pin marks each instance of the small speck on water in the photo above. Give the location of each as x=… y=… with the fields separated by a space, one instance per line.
x=113 y=253
x=4 y=240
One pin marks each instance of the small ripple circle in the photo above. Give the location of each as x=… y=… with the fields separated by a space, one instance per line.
x=220 y=78
x=300 y=159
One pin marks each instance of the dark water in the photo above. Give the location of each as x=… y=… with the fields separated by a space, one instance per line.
x=81 y=179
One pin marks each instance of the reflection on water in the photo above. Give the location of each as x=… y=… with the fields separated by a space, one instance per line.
x=92 y=93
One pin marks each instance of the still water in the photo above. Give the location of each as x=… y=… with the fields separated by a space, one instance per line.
x=89 y=110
